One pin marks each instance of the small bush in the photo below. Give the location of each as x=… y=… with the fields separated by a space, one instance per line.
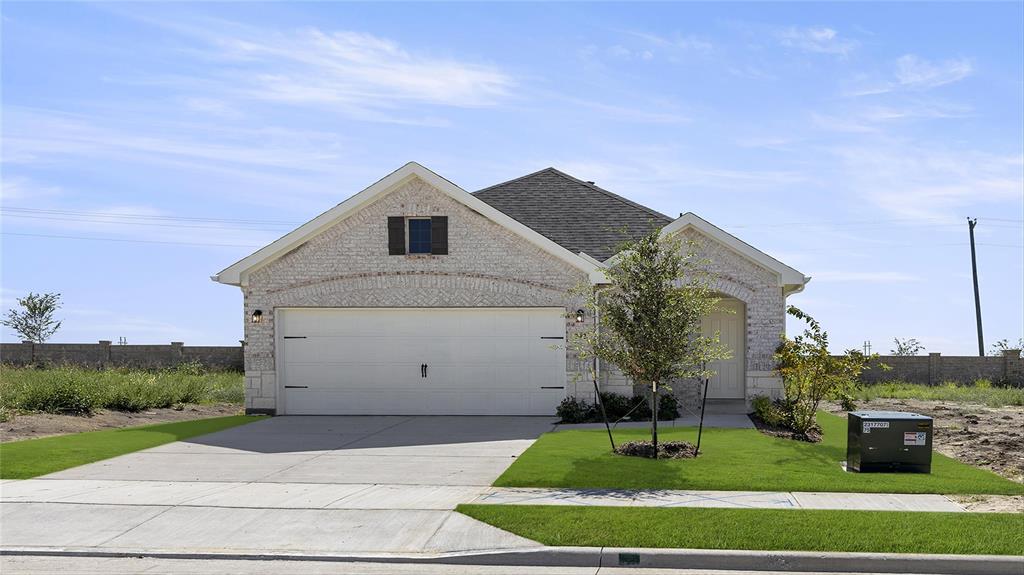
x=572 y=410
x=771 y=412
x=983 y=384
x=193 y=367
x=847 y=402
x=617 y=407
x=58 y=391
x=81 y=390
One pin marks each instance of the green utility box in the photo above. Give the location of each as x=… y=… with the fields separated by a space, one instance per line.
x=888 y=441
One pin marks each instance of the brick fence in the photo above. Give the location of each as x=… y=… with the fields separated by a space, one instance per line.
x=935 y=368
x=103 y=354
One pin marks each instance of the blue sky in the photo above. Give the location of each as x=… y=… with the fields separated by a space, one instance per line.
x=849 y=140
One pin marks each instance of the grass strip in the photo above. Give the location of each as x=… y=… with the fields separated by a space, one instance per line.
x=35 y=457
x=760 y=529
x=733 y=460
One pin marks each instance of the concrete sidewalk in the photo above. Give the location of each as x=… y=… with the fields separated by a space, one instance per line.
x=721 y=499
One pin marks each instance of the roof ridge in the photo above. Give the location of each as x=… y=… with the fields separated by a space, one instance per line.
x=612 y=195
x=530 y=175
x=585 y=183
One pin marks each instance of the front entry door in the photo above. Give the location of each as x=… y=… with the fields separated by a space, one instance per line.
x=730 y=321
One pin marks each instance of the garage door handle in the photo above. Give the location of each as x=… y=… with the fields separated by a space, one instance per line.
x=553 y=387
x=296 y=387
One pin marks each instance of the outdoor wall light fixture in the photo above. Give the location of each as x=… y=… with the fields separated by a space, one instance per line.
x=579 y=316
x=257 y=316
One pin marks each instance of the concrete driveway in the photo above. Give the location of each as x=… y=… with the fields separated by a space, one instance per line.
x=282 y=485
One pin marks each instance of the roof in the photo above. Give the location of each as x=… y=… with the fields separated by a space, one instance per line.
x=577 y=215
x=238 y=273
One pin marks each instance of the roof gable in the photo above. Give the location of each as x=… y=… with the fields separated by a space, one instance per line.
x=237 y=273
x=577 y=215
x=789 y=278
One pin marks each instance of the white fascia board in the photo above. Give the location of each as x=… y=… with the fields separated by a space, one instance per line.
x=789 y=278
x=237 y=274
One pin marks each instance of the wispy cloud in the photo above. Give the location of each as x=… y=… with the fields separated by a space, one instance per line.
x=912 y=73
x=915 y=72
x=361 y=75
x=816 y=39
x=915 y=180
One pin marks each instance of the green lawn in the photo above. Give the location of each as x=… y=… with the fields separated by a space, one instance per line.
x=732 y=459
x=760 y=529
x=34 y=457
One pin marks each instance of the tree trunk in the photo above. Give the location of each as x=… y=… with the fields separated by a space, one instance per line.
x=654 y=417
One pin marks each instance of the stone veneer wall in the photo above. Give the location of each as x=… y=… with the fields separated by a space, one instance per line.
x=104 y=355
x=935 y=368
x=348 y=266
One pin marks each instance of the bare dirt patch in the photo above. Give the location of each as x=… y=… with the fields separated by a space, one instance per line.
x=990 y=503
x=988 y=437
x=33 y=425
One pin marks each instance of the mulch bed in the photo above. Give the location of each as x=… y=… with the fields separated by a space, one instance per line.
x=812 y=436
x=666 y=449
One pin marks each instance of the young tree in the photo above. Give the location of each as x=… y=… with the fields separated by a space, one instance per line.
x=35 y=322
x=905 y=347
x=648 y=317
x=810 y=373
x=1003 y=345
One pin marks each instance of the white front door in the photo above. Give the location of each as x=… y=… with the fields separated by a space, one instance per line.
x=412 y=361
x=730 y=323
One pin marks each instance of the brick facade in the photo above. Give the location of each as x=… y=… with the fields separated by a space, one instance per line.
x=348 y=266
x=487 y=265
x=765 y=308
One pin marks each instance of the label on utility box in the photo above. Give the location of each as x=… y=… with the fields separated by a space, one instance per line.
x=869 y=425
x=915 y=438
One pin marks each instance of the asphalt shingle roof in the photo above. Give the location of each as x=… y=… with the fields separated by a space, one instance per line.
x=575 y=214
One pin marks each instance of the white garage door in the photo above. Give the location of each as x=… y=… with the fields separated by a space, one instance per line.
x=729 y=379
x=410 y=361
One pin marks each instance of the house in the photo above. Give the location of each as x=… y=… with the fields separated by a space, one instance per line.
x=415 y=296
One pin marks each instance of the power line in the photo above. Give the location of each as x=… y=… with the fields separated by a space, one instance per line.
x=128 y=240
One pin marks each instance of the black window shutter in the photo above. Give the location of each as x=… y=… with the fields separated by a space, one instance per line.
x=396 y=235
x=439 y=235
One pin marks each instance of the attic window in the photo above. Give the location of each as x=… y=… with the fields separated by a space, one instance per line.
x=419 y=235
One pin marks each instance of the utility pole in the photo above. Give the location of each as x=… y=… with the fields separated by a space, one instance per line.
x=977 y=296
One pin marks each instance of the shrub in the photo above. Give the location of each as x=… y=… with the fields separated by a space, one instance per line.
x=668 y=408
x=847 y=402
x=810 y=373
x=192 y=367
x=58 y=391
x=617 y=407
x=983 y=383
x=771 y=412
x=81 y=390
x=572 y=410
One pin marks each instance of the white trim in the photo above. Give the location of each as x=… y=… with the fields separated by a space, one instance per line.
x=408 y=236
x=238 y=273
x=790 y=279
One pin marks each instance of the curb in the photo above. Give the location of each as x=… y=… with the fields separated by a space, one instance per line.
x=595 y=557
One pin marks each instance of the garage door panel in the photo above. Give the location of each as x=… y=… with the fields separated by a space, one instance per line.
x=481 y=361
